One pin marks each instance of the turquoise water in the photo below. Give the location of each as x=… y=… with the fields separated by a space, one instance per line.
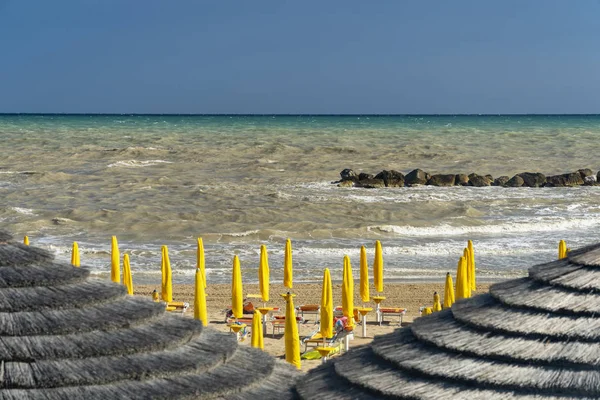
x=243 y=181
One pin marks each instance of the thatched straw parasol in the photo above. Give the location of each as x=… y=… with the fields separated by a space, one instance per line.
x=64 y=335
x=531 y=338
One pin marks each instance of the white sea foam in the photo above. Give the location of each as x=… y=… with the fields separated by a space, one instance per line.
x=137 y=164
x=531 y=225
x=21 y=210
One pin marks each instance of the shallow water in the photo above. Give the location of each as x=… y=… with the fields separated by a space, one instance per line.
x=239 y=182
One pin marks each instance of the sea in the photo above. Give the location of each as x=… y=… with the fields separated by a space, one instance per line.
x=240 y=181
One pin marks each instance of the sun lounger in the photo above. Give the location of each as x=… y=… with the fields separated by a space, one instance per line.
x=309 y=309
x=338 y=312
x=177 y=306
x=337 y=340
x=316 y=340
x=278 y=323
x=391 y=312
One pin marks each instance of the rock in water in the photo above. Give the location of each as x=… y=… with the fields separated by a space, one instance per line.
x=461 y=179
x=347 y=183
x=479 y=181
x=442 y=180
x=570 y=179
x=364 y=175
x=585 y=172
x=416 y=177
x=501 y=181
x=370 y=183
x=391 y=178
x=533 y=179
x=590 y=180
x=348 y=175
x=515 y=181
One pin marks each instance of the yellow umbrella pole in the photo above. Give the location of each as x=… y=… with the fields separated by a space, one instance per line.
x=437 y=306
x=348 y=292
x=292 y=340
x=562 y=249
x=378 y=267
x=264 y=274
x=257 y=332
x=461 y=279
x=448 y=291
x=26 y=240
x=472 y=265
x=467 y=256
x=200 y=299
x=127 y=279
x=364 y=275
x=115 y=268
x=237 y=295
x=287 y=265
x=75 y=261
x=169 y=277
x=163 y=274
x=200 y=263
x=326 y=316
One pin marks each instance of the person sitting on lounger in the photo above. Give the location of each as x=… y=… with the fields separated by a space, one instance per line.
x=248 y=310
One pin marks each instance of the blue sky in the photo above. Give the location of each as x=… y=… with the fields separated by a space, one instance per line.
x=278 y=56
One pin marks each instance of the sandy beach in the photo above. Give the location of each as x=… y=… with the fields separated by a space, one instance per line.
x=406 y=295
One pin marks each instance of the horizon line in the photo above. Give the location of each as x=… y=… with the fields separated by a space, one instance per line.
x=296 y=114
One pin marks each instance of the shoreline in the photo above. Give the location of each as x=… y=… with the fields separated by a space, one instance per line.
x=218 y=297
x=421 y=280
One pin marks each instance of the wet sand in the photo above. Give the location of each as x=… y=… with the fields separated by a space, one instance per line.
x=411 y=296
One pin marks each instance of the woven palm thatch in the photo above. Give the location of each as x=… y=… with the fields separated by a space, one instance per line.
x=64 y=335
x=531 y=338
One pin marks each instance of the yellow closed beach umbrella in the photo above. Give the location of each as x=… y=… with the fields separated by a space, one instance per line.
x=562 y=249
x=348 y=292
x=127 y=279
x=448 y=291
x=26 y=240
x=200 y=299
x=167 y=293
x=467 y=256
x=115 y=268
x=378 y=267
x=461 y=280
x=287 y=265
x=326 y=328
x=364 y=275
x=472 y=265
x=163 y=274
x=257 y=332
x=200 y=264
x=75 y=261
x=264 y=274
x=437 y=306
x=292 y=340
x=237 y=294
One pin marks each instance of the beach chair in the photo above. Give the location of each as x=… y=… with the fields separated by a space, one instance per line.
x=315 y=339
x=278 y=323
x=248 y=311
x=309 y=309
x=391 y=312
x=338 y=313
x=178 y=306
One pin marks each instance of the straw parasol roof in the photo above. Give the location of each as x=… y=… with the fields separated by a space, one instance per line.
x=65 y=335
x=531 y=338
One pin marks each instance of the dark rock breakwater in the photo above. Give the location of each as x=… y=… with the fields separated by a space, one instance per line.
x=418 y=177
